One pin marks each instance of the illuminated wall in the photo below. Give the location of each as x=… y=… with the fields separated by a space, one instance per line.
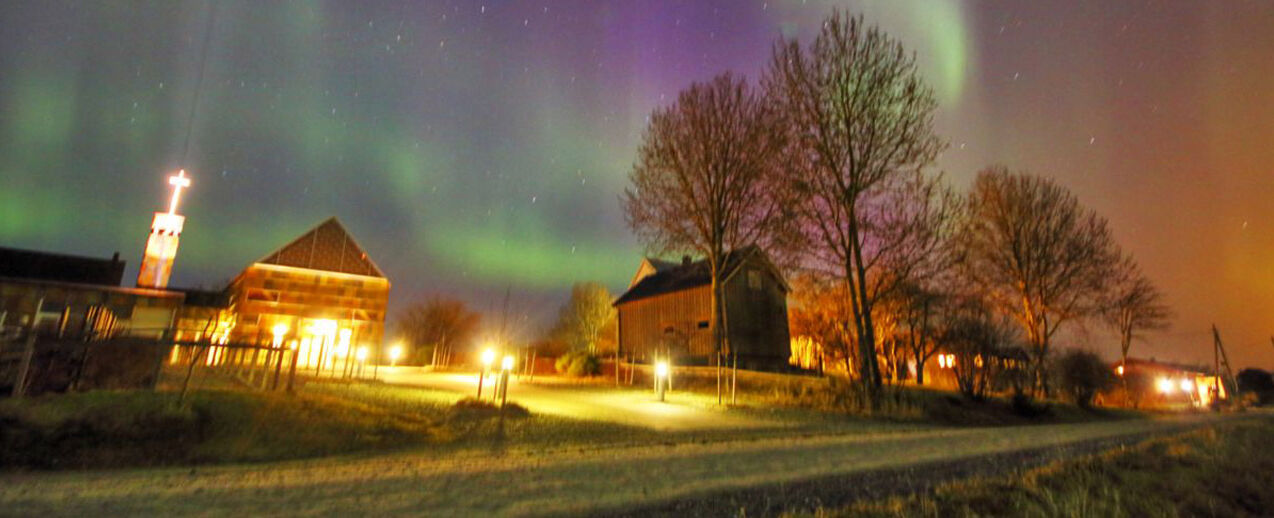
x=161 y=249
x=324 y=315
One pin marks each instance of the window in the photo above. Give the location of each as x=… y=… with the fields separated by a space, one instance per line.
x=754 y=279
x=703 y=324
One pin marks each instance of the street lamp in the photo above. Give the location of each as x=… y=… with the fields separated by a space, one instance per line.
x=395 y=353
x=488 y=356
x=661 y=378
x=361 y=355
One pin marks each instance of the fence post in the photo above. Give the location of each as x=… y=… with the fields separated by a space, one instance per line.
x=160 y=356
x=24 y=369
x=292 y=369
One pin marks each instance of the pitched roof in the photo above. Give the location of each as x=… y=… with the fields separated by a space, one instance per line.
x=670 y=277
x=1162 y=365
x=662 y=265
x=326 y=247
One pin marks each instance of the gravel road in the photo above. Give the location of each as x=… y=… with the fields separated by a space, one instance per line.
x=762 y=476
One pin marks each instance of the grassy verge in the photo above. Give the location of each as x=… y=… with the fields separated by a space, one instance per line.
x=1222 y=470
x=142 y=428
x=835 y=396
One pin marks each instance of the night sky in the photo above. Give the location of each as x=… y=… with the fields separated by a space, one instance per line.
x=477 y=147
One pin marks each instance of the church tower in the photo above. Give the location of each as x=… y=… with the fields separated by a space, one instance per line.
x=161 y=247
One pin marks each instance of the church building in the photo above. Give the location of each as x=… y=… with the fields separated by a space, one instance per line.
x=320 y=293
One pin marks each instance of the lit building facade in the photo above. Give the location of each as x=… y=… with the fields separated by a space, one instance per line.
x=319 y=295
x=1157 y=383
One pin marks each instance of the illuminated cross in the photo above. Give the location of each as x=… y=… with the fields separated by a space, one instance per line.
x=178 y=182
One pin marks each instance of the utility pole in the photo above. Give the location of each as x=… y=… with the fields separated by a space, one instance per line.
x=1216 y=367
x=1220 y=359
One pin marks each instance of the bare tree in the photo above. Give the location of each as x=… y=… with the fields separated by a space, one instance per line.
x=584 y=320
x=918 y=316
x=438 y=323
x=817 y=314
x=918 y=265
x=1039 y=255
x=861 y=131
x=702 y=182
x=1133 y=306
x=213 y=325
x=978 y=339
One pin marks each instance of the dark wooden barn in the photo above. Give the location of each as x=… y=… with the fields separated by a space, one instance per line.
x=667 y=310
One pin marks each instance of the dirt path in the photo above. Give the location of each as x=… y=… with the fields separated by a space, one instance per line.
x=527 y=483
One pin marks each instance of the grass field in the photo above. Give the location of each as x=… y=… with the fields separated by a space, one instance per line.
x=143 y=428
x=1222 y=470
x=834 y=396
x=223 y=423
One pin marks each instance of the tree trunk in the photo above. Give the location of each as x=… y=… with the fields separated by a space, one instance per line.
x=716 y=326
x=920 y=369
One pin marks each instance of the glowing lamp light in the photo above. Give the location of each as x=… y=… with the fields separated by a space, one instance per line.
x=279 y=330
x=507 y=362
x=1119 y=370
x=323 y=327
x=488 y=356
x=395 y=353
x=1165 y=385
x=1187 y=386
x=661 y=369
x=362 y=354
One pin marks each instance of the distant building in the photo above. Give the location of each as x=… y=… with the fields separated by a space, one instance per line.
x=1156 y=382
x=667 y=310
x=70 y=296
x=320 y=295
x=320 y=292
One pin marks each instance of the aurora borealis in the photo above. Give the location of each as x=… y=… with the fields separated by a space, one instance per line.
x=474 y=146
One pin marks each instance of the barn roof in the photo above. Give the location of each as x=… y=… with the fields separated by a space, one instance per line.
x=671 y=277
x=327 y=247
x=1142 y=363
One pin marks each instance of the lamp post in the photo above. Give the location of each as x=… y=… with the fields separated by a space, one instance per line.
x=362 y=360
x=506 y=365
x=487 y=357
x=661 y=378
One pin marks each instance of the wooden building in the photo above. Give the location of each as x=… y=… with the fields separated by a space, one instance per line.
x=667 y=311
x=1157 y=383
x=320 y=293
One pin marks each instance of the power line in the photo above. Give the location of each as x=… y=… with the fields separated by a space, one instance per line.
x=203 y=61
